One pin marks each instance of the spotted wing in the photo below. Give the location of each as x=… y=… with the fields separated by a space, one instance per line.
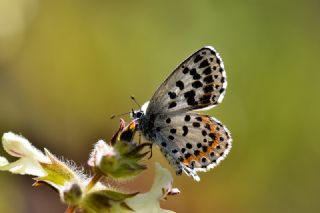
x=198 y=83
x=192 y=142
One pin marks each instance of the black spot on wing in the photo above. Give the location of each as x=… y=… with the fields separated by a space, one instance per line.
x=208 y=89
x=192 y=102
x=214 y=98
x=172 y=95
x=207 y=71
x=221 y=90
x=212 y=52
x=204 y=132
x=197 y=84
x=227 y=145
x=170 y=137
x=204 y=148
x=173 y=131
x=196 y=76
x=212 y=136
x=187 y=155
x=197 y=58
x=180 y=85
x=208 y=79
x=185 y=70
x=203 y=159
x=185 y=130
x=196 y=124
x=190 y=94
x=198 y=118
x=207 y=126
x=193 y=71
x=205 y=99
x=218 y=60
x=204 y=63
x=172 y=104
x=196 y=152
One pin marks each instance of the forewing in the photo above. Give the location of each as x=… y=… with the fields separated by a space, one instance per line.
x=192 y=141
x=198 y=83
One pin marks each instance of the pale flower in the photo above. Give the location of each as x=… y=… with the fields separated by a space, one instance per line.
x=3 y=161
x=30 y=157
x=122 y=160
x=101 y=149
x=45 y=167
x=149 y=202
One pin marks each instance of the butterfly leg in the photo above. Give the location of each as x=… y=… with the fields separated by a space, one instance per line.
x=151 y=145
x=139 y=137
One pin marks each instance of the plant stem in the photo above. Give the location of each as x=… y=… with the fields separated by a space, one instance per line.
x=95 y=179
x=70 y=209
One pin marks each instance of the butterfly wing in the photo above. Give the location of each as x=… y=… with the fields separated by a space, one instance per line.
x=192 y=142
x=198 y=83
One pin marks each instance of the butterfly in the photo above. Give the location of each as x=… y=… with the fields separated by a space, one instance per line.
x=190 y=141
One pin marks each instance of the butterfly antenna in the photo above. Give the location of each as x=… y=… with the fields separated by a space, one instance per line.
x=114 y=116
x=135 y=101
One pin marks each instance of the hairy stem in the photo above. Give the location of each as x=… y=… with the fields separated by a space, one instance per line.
x=70 y=209
x=95 y=179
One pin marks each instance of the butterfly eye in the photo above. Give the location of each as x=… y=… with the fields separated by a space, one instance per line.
x=139 y=114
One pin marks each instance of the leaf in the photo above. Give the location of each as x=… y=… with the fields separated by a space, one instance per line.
x=58 y=173
x=103 y=200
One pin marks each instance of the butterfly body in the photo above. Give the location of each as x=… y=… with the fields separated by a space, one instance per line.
x=190 y=141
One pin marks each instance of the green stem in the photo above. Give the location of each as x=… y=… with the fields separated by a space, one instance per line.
x=70 y=209
x=95 y=179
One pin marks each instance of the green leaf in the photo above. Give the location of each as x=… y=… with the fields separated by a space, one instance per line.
x=58 y=172
x=102 y=201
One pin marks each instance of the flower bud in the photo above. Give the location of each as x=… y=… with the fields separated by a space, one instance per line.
x=71 y=194
x=105 y=201
x=120 y=158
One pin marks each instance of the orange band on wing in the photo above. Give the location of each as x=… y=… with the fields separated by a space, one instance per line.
x=212 y=144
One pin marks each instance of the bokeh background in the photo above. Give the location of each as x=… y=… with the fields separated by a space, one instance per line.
x=65 y=66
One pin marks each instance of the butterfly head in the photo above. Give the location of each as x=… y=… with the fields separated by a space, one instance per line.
x=137 y=114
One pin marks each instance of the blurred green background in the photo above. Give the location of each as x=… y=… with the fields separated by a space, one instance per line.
x=65 y=66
